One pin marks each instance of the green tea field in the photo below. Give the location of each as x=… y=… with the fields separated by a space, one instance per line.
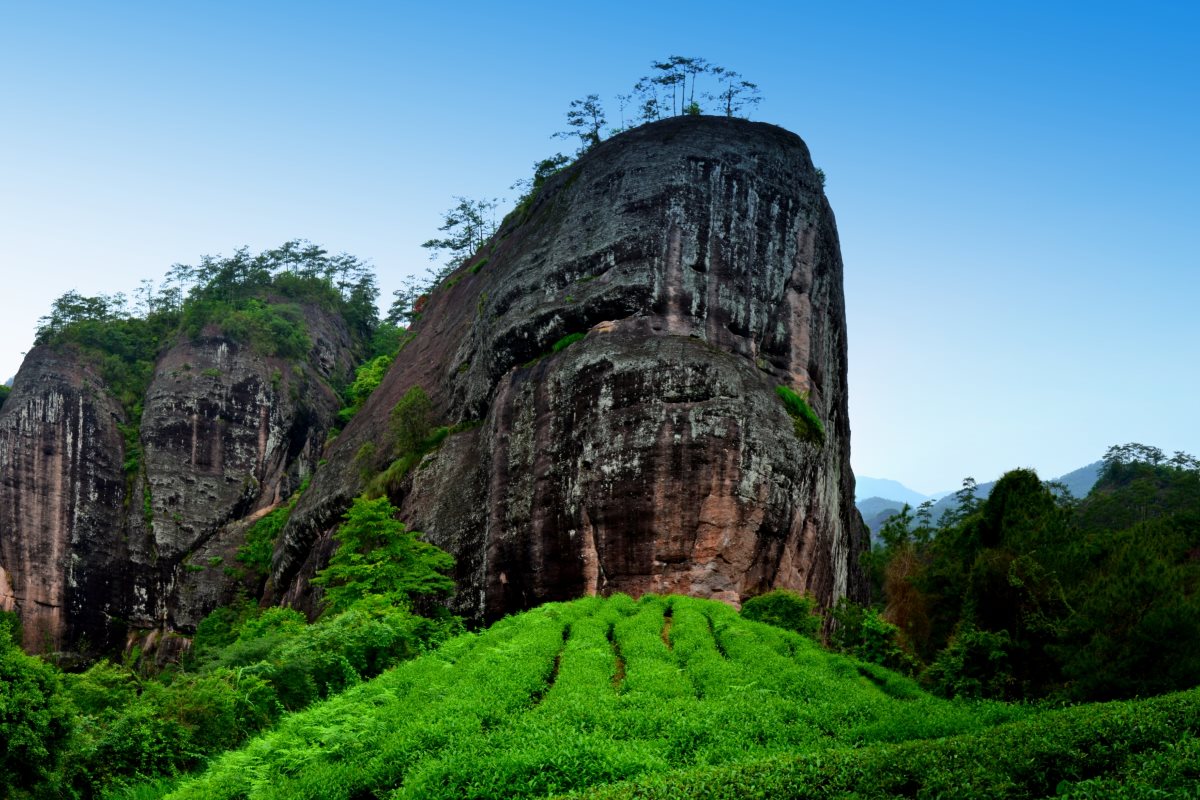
x=675 y=697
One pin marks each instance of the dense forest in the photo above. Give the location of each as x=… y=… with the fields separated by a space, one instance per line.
x=1031 y=593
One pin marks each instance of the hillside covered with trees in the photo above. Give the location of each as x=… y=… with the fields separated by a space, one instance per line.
x=1033 y=593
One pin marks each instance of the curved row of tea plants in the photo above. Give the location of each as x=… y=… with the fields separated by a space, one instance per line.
x=583 y=694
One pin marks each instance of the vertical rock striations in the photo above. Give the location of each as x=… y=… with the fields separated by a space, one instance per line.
x=700 y=258
x=62 y=495
x=101 y=540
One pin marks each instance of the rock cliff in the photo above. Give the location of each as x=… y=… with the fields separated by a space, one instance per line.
x=108 y=540
x=700 y=260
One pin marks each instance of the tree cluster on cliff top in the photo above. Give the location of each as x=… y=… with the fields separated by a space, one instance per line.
x=677 y=85
x=669 y=90
x=193 y=296
x=254 y=299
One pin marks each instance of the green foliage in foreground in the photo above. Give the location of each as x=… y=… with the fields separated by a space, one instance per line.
x=807 y=424
x=1146 y=749
x=785 y=609
x=5 y=391
x=34 y=719
x=109 y=729
x=248 y=668
x=576 y=695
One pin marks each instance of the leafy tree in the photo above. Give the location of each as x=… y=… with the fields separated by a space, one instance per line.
x=529 y=187
x=467 y=227
x=785 y=609
x=35 y=719
x=673 y=75
x=586 y=119
x=1133 y=578
x=923 y=527
x=378 y=555
x=966 y=503
x=402 y=312
x=974 y=664
x=411 y=420
x=5 y=391
x=1138 y=620
x=367 y=378
x=863 y=633
x=736 y=96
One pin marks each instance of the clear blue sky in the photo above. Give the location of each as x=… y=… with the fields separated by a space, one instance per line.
x=1017 y=185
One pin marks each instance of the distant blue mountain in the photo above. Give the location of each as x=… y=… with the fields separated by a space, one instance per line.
x=865 y=487
x=876 y=511
x=877 y=507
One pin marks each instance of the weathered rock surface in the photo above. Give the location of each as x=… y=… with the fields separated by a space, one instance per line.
x=100 y=547
x=62 y=495
x=700 y=257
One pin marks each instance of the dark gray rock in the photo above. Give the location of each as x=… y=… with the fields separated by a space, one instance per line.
x=700 y=257
x=95 y=556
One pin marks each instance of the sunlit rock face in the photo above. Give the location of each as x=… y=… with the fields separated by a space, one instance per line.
x=700 y=258
x=102 y=546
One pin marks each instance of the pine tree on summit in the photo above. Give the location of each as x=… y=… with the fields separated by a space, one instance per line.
x=586 y=118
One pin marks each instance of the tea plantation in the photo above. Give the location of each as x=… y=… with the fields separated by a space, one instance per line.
x=674 y=697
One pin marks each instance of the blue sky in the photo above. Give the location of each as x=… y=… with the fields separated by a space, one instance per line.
x=1017 y=185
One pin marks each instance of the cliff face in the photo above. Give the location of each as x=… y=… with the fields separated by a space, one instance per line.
x=700 y=258
x=61 y=492
x=100 y=547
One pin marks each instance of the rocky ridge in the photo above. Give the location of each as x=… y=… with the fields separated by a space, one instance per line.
x=700 y=258
x=103 y=547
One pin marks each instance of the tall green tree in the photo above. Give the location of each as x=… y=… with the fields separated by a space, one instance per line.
x=736 y=96
x=378 y=555
x=35 y=719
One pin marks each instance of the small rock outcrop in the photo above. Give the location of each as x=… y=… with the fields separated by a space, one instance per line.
x=108 y=540
x=698 y=259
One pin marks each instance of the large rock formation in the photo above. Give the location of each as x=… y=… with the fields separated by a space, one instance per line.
x=700 y=257
x=98 y=542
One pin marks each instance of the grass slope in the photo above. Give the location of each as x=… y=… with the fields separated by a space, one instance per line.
x=681 y=697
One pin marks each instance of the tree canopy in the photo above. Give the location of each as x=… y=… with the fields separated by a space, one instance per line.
x=1030 y=592
x=378 y=555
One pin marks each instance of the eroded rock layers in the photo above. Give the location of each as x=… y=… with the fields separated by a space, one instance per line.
x=109 y=539
x=700 y=258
